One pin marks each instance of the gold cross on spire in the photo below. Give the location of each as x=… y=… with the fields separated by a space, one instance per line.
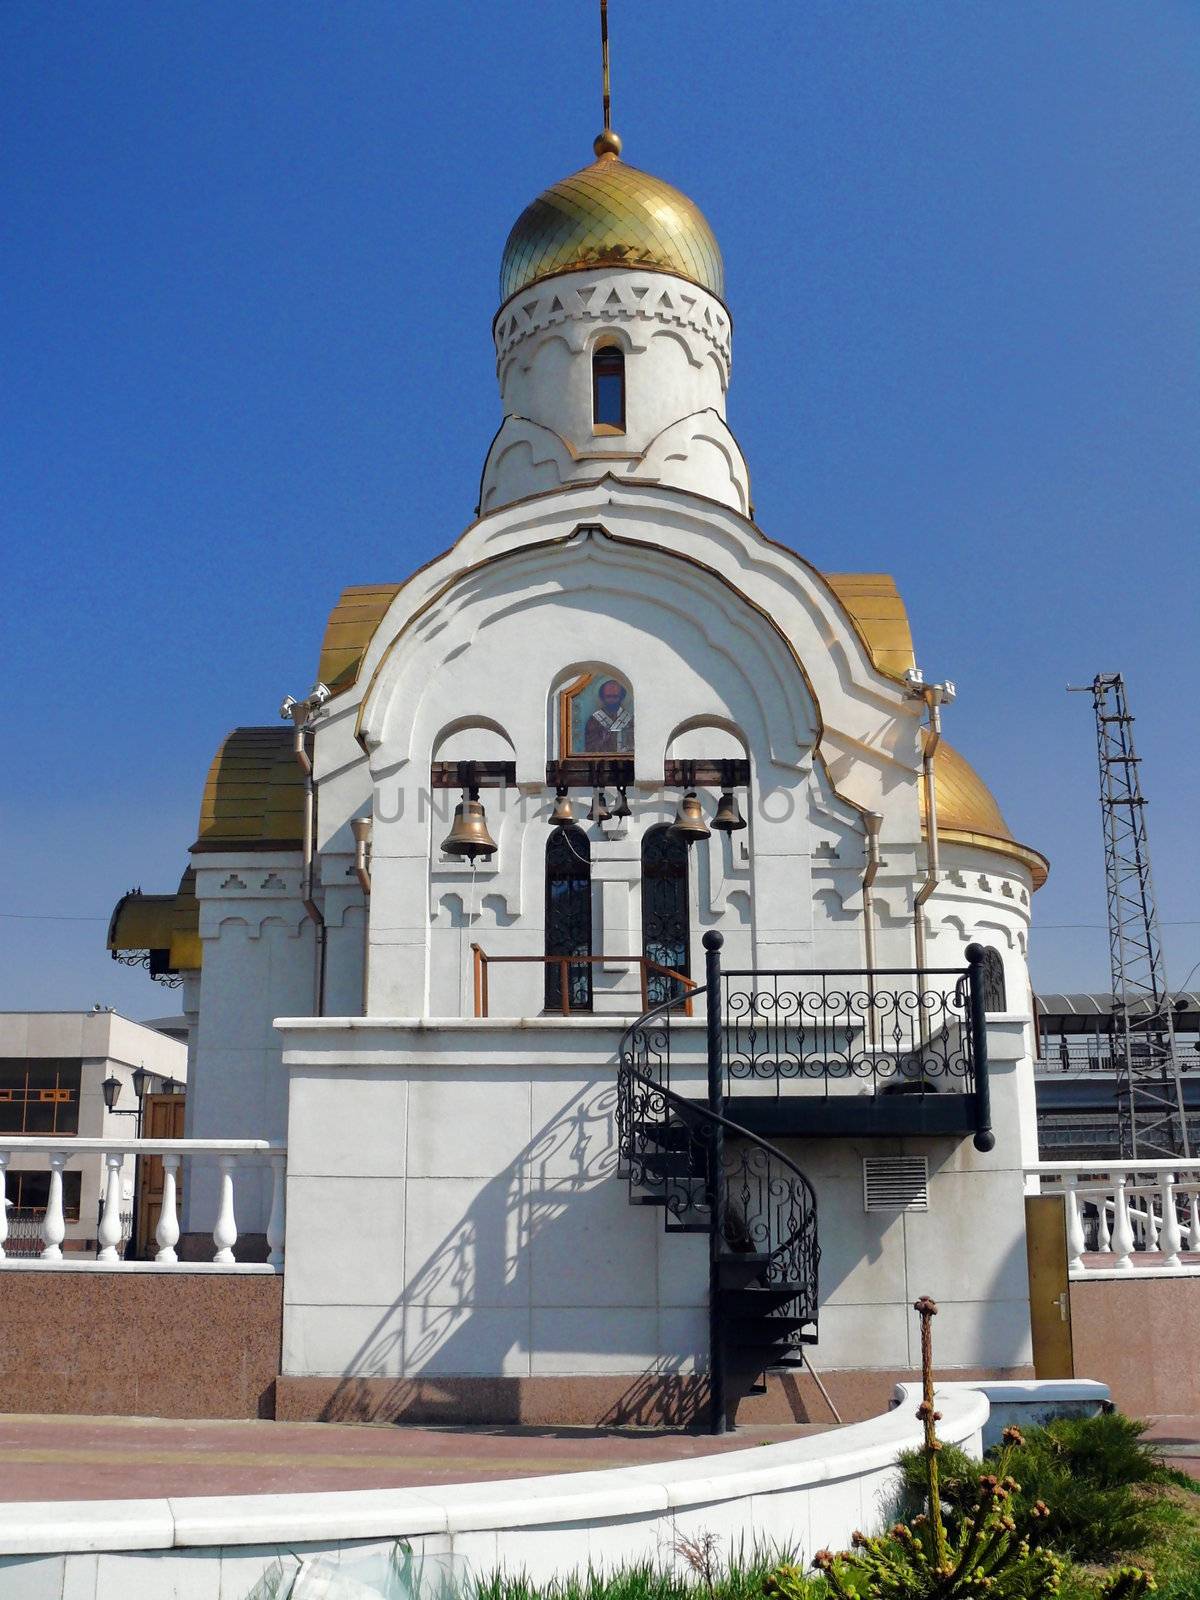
x=608 y=143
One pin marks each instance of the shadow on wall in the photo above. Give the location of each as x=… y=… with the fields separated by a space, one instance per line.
x=470 y=1304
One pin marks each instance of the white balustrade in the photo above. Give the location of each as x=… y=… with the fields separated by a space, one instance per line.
x=54 y=1223
x=179 y=1159
x=166 y=1235
x=1154 y=1210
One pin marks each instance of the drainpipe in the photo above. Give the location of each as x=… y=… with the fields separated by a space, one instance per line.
x=303 y=714
x=934 y=695
x=873 y=822
x=360 y=827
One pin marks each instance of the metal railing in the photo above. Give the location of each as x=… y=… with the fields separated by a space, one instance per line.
x=752 y=1200
x=646 y=967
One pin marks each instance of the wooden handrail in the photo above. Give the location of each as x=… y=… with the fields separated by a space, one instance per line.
x=482 y=961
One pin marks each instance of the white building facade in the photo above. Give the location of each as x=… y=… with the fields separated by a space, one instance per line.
x=447 y=1038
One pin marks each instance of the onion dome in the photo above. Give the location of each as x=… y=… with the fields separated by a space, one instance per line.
x=610 y=214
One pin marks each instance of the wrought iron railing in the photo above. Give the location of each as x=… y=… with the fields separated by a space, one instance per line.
x=892 y=1031
x=710 y=1173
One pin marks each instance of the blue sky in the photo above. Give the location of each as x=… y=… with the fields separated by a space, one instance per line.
x=250 y=262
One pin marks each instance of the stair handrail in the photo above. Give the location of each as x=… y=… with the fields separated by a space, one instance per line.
x=693 y=1108
x=801 y=1242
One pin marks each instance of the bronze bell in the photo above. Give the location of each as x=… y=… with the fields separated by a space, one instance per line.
x=599 y=810
x=469 y=836
x=689 y=824
x=621 y=809
x=563 y=814
x=728 y=818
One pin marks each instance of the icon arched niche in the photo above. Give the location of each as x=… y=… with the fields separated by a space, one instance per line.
x=592 y=712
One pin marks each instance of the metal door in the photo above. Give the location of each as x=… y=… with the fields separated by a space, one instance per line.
x=1049 y=1286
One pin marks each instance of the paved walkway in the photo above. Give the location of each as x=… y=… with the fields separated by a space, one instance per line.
x=119 y=1458
x=1178 y=1437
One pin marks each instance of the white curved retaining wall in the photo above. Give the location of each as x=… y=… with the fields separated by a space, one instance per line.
x=799 y=1495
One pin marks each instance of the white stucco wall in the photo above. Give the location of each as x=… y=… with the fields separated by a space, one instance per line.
x=453 y=1210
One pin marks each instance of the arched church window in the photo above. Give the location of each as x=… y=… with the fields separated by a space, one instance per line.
x=596 y=716
x=568 y=919
x=995 y=996
x=666 y=922
x=608 y=388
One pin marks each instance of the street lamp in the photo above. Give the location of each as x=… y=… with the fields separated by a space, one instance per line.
x=111 y=1088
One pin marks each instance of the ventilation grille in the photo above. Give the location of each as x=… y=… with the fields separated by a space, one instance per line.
x=895 y=1183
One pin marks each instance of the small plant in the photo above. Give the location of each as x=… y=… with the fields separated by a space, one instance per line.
x=921 y=1560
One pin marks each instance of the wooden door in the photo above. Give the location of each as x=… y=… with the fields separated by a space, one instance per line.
x=162 y=1118
x=1049 y=1287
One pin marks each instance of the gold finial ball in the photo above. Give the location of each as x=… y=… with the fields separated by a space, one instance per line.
x=607 y=143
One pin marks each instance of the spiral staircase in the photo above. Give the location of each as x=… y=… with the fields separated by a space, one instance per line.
x=712 y=1176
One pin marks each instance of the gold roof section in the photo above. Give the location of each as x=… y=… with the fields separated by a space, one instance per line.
x=254 y=796
x=350 y=629
x=968 y=813
x=166 y=923
x=874 y=606
x=611 y=214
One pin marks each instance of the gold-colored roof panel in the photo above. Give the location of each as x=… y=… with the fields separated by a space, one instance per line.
x=160 y=922
x=254 y=795
x=968 y=812
x=611 y=214
x=350 y=629
x=874 y=606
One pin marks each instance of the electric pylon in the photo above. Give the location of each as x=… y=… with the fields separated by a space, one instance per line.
x=1149 y=1092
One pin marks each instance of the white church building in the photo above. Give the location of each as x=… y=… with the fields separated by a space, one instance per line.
x=635 y=975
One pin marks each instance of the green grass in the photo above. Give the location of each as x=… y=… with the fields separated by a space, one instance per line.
x=1111 y=1502
x=743 y=1579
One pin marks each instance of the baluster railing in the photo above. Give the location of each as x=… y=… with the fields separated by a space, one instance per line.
x=166 y=1235
x=39 y=1154
x=1155 y=1214
x=54 y=1223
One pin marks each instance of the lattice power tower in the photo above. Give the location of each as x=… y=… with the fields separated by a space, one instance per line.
x=1149 y=1092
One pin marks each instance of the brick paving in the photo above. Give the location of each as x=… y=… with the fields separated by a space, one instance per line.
x=129 y=1458
x=1178 y=1437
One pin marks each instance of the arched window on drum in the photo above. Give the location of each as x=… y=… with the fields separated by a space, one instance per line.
x=666 y=919
x=568 y=920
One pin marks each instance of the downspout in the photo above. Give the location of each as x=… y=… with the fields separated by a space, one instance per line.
x=360 y=827
x=872 y=821
x=932 y=694
x=302 y=713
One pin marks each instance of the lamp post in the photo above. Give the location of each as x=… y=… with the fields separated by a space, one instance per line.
x=111 y=1089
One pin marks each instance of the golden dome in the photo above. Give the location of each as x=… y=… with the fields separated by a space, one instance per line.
x=610 y=214
x=967 y=812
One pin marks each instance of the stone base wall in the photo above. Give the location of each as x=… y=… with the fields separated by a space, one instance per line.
x=655 y=1400
x=1141 y=1336
x=153 y=1344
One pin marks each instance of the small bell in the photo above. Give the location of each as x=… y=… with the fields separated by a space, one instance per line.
x=469 y=836
x=689 y=824
x=728 y=818
x=599 y=810
x=621 y=809
x=563 y=814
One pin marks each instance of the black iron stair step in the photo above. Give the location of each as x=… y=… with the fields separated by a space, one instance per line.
x=758 y=1302
x=670 y=1135
x=669 y=1163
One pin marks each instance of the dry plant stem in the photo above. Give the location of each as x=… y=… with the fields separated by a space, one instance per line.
x=927 y=1310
